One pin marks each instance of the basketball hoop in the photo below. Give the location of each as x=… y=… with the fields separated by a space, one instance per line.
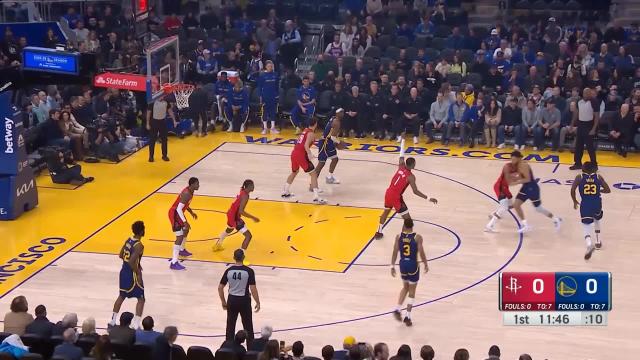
x=181 y=92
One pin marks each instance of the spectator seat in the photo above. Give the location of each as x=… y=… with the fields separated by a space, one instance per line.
x=442 y=31
x=402 y=42
x=323 y=110
x=392 y=52
x=438 y=43
x=177 y=353
x=421 y=41
x=454 y=79
x=383 y=42
x=199 y=353
x=121 y=350
x=253 y=355
x=474 y=79
x=289 y=101
x=141 y=351
x=226 y=354
x=86 y=345
x=32 y=356
x=411 y=54
x=373 y=51
x=432 y=54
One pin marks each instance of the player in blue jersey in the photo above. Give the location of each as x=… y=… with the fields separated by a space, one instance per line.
x=328 y=146
x=591 y=185
x=409 y=245
x=305 y=107
x=268 y=83
x=131 y=285
x=222 y=90
x=237 y=109
x=530 y=190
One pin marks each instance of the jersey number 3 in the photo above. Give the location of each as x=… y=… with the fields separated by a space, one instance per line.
x=590 y=189
x=406 y=250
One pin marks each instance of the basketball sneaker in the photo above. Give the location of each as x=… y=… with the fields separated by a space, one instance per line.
x=490 y=228
x=589 y=252
x=320 y=191
x=287 y=194
x=242 y=128
x=598 y=244
x=274 y=131
x=524 y=229
x=298 y=130
x=378 y=236
x=320 y=201
x=332 y=180
x=177 y=266
x=397 y=314
x=407 y=321
x=264 y=131
x=557 y=223
x=218 y=247
x=185 y=253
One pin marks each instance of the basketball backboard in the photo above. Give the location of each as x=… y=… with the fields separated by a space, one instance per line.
x=163 y=64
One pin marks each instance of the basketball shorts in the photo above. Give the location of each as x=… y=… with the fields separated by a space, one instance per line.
x=300 y=160
x=530 y=191
x=409 y=271
x=177 y=225
x=327 y=150
x=590 y=211
x=235 y=222
x=130 y=285
x=502 y=191
x=396 y=202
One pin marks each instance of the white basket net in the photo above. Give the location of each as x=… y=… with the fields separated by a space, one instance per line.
x=181 y=93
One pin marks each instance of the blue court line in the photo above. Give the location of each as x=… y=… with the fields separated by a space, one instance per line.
x=108 y=223
x=555 y=168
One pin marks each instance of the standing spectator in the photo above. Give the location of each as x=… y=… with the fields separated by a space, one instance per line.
x=18 y=318
x=412 y=109
x=164 y=343
x=511 y=122
x=157 y=126
x=427 y=353
x=291 y=44
x=236 y=344
x=548 y=126
x=492 y=119
x=242 y=286
x=586 y=121
x=260 y=344
x=147 y=335
x=40 y=326
x=454 y=119
x=123 y=333
x=474 y=120
x=67 y=349
x=530 y=119
x=553 y=32
x=622 y=130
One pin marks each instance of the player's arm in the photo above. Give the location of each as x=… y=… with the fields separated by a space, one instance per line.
x=182 y=207
x=605 y=187
x=574 y=186
x=308 y=143
x=525 y=174
x=135 y=255
x=243 y=203
x=121 y=255
x=401 y=156
x=414 y=187
x=394 y=255
x=423 y=255
x=335 y=130
x=254 y=289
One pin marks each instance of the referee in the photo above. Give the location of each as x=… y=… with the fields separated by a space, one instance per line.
x=157 y=126
x=241 y=279
x=586 y=120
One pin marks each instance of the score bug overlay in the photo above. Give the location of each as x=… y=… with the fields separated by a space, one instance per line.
x=555 y=298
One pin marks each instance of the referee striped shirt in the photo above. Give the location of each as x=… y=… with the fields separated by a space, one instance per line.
x=239 y=278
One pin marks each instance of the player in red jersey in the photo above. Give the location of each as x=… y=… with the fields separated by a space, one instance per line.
x=179 y=222
x=234 y=217
x=300 y=159
x=501 y=188
x=402 y=179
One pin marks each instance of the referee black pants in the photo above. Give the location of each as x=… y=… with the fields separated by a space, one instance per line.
x=239 y=305
x=158 y=131
x=584 y=139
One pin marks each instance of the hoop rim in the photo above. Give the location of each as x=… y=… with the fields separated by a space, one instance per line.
x=171 y=88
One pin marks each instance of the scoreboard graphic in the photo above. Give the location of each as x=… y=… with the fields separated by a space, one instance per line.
x=555 y=298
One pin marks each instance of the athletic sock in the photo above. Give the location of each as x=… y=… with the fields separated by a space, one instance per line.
x=316 y=195
x=114 y=318
x=596 y=224
x=264 y=125
x=273 y=125
x=493 y=221
x=544 y=211
x=176 y=251
x=182 y=245
x=524 y=223
x=587 y=240
x=408 y=314
x=136 y=322
x=399 y=308
x=286 y=187
x=380 y=227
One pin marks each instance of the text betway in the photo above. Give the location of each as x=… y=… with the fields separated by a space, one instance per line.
x=8 y=135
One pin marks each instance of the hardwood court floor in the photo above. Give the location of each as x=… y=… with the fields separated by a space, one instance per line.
x=320 y=275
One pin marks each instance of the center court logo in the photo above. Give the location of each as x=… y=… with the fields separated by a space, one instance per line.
x=513 y=285
x=21 y=262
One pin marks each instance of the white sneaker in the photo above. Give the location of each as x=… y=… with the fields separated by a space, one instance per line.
x=264 y=131
x=275 y=131
x=320 y=201
x=489 y=229
x=230 y=129
x=557 y=222
x=242 y=128
x=598 y=244
x=320 y=191
x=415 y=139
x=524 y=229
x=515 y=147
x=522 y=147
x=332 y=180
x=399 y=139
x=589 y=252
x=298 y=131
x=535 y=148
x=501 y=146
x=286 y=195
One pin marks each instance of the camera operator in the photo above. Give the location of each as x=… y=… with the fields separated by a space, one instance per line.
x=61 y=172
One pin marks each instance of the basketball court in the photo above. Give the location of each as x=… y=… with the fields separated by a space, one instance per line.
x=319 y=273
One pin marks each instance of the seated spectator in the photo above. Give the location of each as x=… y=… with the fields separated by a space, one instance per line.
x=525 y=357
x=461 y=354
x=260 y=343
x=89 y=330
x=366 y=40
x=412 y=109
x=624 y=62
x=443 y=67
x=207 y=67
x=494 y=353
x=172 y=24
x=347 y=344
x=566 y=127
x=356 y=49
x=40 y=326
x=458 y=66
x=474 y=120
x=492 y=118
x=297 y=350
x=455 y=40
x=236 y=345
x=51 y=40
x=455 y=118
x=68 y=349
x=82 y=33
x=69 y=321
x=622 y=130
x=530 y=119
x=502 y=63
x=75 y=132
x=406 y=31
x=147 y=335
x=380 y=351
x=271 y=351
x=511 y=122
x=404 y=352
x=102 y=350
x=327 y=353
x=425 y=27
x=548 y=126
x=427 y=353
x=123 y=333
x=62 y=173
x=494 y=79
x=53 y=131
x=13 y=345
x=16 y=321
